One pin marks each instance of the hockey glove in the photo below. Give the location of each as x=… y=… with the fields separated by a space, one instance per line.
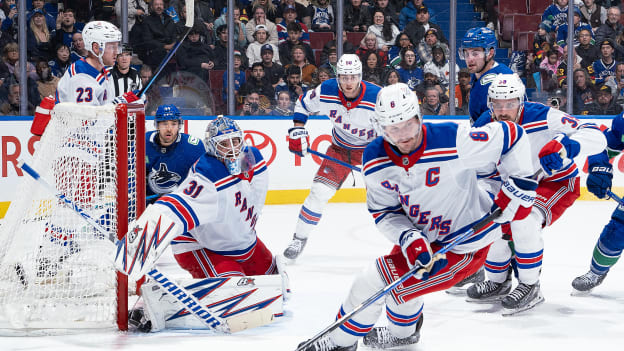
x=416 y=249
x=43 y=113
x=298 y=140
x=515 y=199
x=126 y=98
x=555 y=151
x=600 y=175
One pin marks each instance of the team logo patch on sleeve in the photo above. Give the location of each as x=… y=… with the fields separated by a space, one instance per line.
x=488 y=78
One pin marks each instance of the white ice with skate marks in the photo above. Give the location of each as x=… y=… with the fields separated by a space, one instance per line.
x=346 y=241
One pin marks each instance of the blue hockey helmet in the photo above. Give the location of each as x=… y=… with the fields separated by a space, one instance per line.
x=167 y=113
x=224 y=140
x=480 y=37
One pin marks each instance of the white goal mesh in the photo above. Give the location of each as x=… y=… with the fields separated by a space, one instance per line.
x=56 y=270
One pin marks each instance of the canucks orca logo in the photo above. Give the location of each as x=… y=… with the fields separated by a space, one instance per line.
x=162 y=181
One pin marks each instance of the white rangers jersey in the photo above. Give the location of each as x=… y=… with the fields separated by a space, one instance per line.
x=542 y=124
x=215 y=210
x=434 y=189
x=83 y=84
x=351 y=119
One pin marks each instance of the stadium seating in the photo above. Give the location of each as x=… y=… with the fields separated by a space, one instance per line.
x=216 y=84
x=318 y=39
x=355 y=38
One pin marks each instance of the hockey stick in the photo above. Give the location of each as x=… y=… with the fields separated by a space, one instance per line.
x=615 y=197
x=211 y=320
x=342 y=163
x=190 y=18
x=458 y=240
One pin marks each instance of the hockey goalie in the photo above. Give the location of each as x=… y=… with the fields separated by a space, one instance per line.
x=209 y=221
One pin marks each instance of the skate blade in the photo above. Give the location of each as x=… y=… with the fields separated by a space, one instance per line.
x=512 y=311
x=579 y=293
x=490 y=300
x=456 y=291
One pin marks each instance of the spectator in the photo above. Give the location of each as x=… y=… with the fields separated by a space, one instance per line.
x=586 y=50
x=583 y=92
x=9 y=21
x=50 y=19
x=410 y=73
x=605 y=65
x=440 y=66
x=252 y=105
x=357 y=18
x=394 y=54
x=125 y=78
x=220 y=51
x=260 y=37
x=10 y=59
x=204 y=14
x=322 y=16
x=391 y=77
x=372 y=71
x=78 y=49
x=239 y=78
x=542 y=42
x=302 y=13
x=347 y=47
x=293 y=85
x=157 y=35
x=153 y=99
x=417 y=28
x=604 y=104
x=369 y=44
x=593 y=14
x=39 y=40
x=386 y=32
x=269 y=8
x=612 y=28
x=273 y=71
x=287 y=25
x=61 y=61
x=424 y=47
x=239 y=29
x=388 y=10
x=259 y=18
x=462 y=92
x=67 y=27
x=330 y=64
x=284 y=106
x=258 y=82
x=46 y=84
x=294 y=35
x=322 y=74
x=408 y=13
x=299 y=60
x=194 y=56
x=617 y=83
x=562 y=69
x=137 y=10
x=552 y=61
x=431 y=105
x=556 y=14
x=559 y=100
x=12 y=106
x=430 y=80
x=562 y=32
x=101 y=10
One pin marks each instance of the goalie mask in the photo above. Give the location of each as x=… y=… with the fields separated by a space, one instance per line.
x=506 y=96
x=225 y=141
x=397 y=106
x=102 y=33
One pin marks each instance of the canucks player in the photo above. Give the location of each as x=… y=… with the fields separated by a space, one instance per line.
x=169 y=152
x=610 y=244
x=410 y=174
x=557 y=140
x=478 y=48
x=349 y=102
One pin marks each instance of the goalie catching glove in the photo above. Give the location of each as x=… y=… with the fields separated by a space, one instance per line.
x=515 y=199
x=298 y=140
x=555 y=151
x=416 y=249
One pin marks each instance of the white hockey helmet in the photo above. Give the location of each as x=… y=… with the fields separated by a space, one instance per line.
x=506 y=87
x=100 y=32
x=349 y=64
x=396 y=103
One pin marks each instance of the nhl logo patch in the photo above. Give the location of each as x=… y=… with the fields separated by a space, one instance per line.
x=405 y=161
x=392 y=104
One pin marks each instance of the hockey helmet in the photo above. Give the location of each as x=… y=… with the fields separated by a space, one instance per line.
x=100 y=32
x=167 y=113
x=506 y=87
x=224 y=140
x=396 y=103
x=480 y=37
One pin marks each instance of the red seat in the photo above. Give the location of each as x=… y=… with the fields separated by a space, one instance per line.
x=319 y=39
x=507 y=27
x=216 y=84
x=524 y=23
x=317 y=57
x=355 y=38
x=538 y=6
x=512 y=6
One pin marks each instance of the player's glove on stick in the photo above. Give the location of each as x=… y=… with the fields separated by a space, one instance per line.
x=555 y=151
x=515 y=199
x=416 y=249
x=43 y=114
x=126 y=98
x=298 y=140
x=600 y=175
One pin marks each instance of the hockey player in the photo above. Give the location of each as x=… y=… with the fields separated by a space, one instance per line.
x=557 y=140
x=610 y=244
x=349 y=102
x=410 y=174
x=478 y=48
x=169 y=152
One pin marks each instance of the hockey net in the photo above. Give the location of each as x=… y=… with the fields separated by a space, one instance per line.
x=56 y=271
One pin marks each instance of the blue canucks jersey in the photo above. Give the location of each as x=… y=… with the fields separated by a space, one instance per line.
x=167 y=167
x=479 y=90
x=602 y=71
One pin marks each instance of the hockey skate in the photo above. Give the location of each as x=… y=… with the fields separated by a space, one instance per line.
x=461 y=287
x=327 y=344
x=381 y=338
x=523 y=297
x=489 y=291
x=295 y=247
x=586 y=282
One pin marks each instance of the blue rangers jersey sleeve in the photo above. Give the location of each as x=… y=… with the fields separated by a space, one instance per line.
x=351 y=119
x=167 y=167
x=83 y=84
x=479 y=91
x=215 y=210
x=435 y=188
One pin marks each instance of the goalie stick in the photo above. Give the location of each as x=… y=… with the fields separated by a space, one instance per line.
x=379 y=294
x=205 y=315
